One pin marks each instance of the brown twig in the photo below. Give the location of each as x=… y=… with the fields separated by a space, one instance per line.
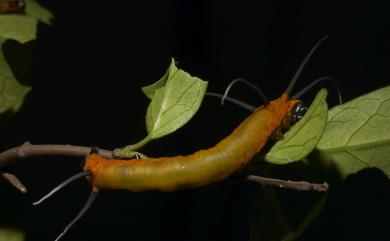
x=14 y=181
x=296 y=185
x=27 y=150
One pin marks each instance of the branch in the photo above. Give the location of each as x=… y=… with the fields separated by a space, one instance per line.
x=296 y=185
x=28 y=150
x=14 y=181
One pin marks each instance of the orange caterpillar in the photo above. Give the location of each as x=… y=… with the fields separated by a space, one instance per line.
x=201 y=168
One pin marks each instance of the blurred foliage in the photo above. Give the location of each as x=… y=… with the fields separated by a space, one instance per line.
x=16 y=58
x=17 y=31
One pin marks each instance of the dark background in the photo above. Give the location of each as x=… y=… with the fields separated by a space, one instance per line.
x=89 y=68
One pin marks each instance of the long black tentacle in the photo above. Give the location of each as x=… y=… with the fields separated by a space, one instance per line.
x=63 y=184
x=240 y=103
x=315 y=82
x=248 y=83
x=303 y=64
x=85 y=208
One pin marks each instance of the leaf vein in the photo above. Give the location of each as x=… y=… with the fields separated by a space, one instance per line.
x=365 y=122
x=357 y=158
x=178 y=100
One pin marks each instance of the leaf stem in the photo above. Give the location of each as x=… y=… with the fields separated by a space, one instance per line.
x=128 y=151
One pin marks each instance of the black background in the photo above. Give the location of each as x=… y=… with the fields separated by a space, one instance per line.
x=89 y=68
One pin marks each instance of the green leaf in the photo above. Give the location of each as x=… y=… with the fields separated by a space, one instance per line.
x=38 y=12
x=11 y=234
x=357 y=135
x=21 y=28
x=303 y=137
x=175 y=103
x=175 y=99
x=150 y=89
x=12 y=93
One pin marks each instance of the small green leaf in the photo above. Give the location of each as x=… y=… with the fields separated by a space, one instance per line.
x=303 y=137
x=357 y=135
x=150 y=89
x=36 y=11
x=21 y=28
x=175 y=99
x=12 y=93
x=174 y=104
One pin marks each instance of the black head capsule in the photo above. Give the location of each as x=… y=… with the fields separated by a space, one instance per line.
x=297 y=112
